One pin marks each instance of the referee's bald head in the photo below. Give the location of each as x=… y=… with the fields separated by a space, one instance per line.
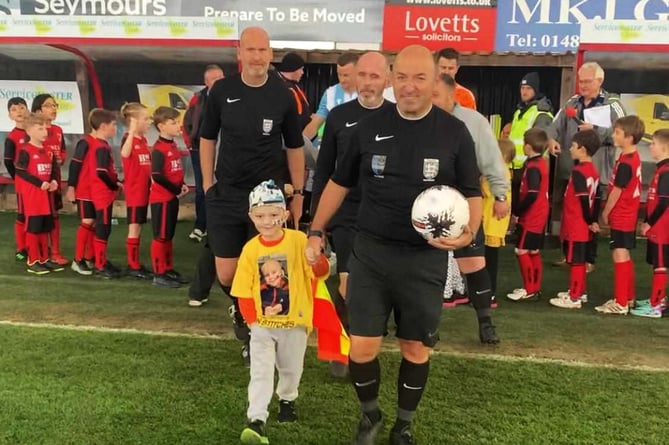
x=254 y=53
x=414 y=78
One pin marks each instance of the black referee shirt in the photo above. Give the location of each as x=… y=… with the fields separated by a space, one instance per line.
x=339 y=127
x=395 y=159
x=253 y=123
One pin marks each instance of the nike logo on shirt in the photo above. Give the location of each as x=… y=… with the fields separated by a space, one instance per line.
x=351 y=124
x=230 y=101
x=378 y=138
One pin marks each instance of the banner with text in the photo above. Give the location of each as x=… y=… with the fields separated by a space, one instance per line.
x=70 y=113
x=466 y=25
x=634 y=32
x=320 y=20
x=553 y=26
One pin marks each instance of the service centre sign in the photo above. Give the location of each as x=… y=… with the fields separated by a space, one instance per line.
x=358 y=21
x=553 y=25
x=466 y=25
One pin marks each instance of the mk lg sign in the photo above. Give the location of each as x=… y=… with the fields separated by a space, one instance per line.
x=469 y=26
x=553 y=25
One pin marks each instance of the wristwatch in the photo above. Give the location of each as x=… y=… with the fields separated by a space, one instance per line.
x=318 y=233
x=298 y=192
x=500 y=198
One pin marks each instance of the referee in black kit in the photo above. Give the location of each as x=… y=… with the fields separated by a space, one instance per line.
x=256 y=116
x=395 y=154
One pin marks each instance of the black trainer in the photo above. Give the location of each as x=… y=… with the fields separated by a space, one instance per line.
x=21 y=256
x=141 y=274
x=487 y=334
x=246 y=354
x=107 y=273
x=113 y=268
x=176 y=276
x=402 y=437
x=38 y=269
x=286 y=412
x=367 y=431
x=165 y=282
x=53 y=266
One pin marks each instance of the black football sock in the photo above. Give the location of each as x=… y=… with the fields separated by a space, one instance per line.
x=366 y=379
x=411 y=383
x=491 y=265
x=480 y=294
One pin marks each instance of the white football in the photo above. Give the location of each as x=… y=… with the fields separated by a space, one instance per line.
x=440 y=211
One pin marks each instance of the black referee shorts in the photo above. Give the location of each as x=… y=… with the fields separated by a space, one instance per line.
x=343 y=238
x=657 y=255
x=622 y=240
x=137 y=215
x=408 y=281
x=164 y=219
x=228 y=224
x=85 y=209
x=475 y=249
x=575 y=252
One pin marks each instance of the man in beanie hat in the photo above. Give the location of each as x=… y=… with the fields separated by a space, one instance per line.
x=290 y=71
x=534 y=110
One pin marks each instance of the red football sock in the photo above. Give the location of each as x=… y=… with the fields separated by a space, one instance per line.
x=659 y=290
x=83 y=233
x=100 y=246
x=32 y=243
x=577 y=279
x=631 y=291
x=169 y=255
x=132 y=247
x=620 y=285
x=525 y=263
x=55 y=237
x=20 y=235
x=43 y=247
x=537 y=272
x=90 y=248
x=158 y=257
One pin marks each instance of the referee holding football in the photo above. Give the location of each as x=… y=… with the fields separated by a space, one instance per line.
x=394 y=154
x=256 y=116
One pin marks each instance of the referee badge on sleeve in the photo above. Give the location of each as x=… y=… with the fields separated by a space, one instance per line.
x=430 y=169
x=378 y=165
x=267 y=125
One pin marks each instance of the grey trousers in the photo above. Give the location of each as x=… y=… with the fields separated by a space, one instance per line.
x=282 y=349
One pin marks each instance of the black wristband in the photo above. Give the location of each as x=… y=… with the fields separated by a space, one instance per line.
x=318 y=233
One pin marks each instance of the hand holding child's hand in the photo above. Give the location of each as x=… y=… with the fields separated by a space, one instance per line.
x=184 y=191
x=45 y=186
x=53 y=186
x=594 y=227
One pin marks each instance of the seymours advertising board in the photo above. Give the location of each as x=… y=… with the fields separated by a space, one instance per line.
x=553 y=25
x=467 y=25
x=358 y=21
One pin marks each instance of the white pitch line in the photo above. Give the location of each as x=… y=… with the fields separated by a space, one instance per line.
x=468 y=355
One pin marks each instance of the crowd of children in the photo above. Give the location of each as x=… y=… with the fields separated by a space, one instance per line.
x=34 y=154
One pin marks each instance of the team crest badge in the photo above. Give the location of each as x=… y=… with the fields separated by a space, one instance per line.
x=378 y=165
x=430 y=169
x=267 y=125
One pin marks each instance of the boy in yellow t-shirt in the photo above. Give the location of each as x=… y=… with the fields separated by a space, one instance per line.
x=273 y=283
x=493 y=228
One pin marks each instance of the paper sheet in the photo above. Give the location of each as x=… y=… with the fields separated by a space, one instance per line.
x=599 y=116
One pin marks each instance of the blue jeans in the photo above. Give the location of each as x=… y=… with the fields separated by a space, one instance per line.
x=200 y=215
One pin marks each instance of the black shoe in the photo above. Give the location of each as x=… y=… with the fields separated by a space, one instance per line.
x=113 y=268
x=487 y=334
x=107 y=273
x=141 y=274
x=254 y=433
x=38 y=269
x=246 y=354
x=21 y=256
x=165 y=282
x=176 y=276
x=53 y=266
x=286 y=412
x=402 y=437
x=367 y=431
x=239 y=325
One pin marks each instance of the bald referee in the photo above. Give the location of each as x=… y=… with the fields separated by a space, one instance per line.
x=395 y=154
x=255 y=115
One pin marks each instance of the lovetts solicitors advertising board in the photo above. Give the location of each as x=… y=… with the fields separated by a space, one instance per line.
x=553 y=25
x=358 y=21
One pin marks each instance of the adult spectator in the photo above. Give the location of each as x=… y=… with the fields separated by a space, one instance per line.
x=192 y=123
x=256 y=117
x=563 y=128
x=337 y=94
x=290 y=71
x=448 y=62
x=395 y=153
x=534 y=110
x=471 y=259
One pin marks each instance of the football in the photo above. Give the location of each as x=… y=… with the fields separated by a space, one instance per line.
x=440 y=211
